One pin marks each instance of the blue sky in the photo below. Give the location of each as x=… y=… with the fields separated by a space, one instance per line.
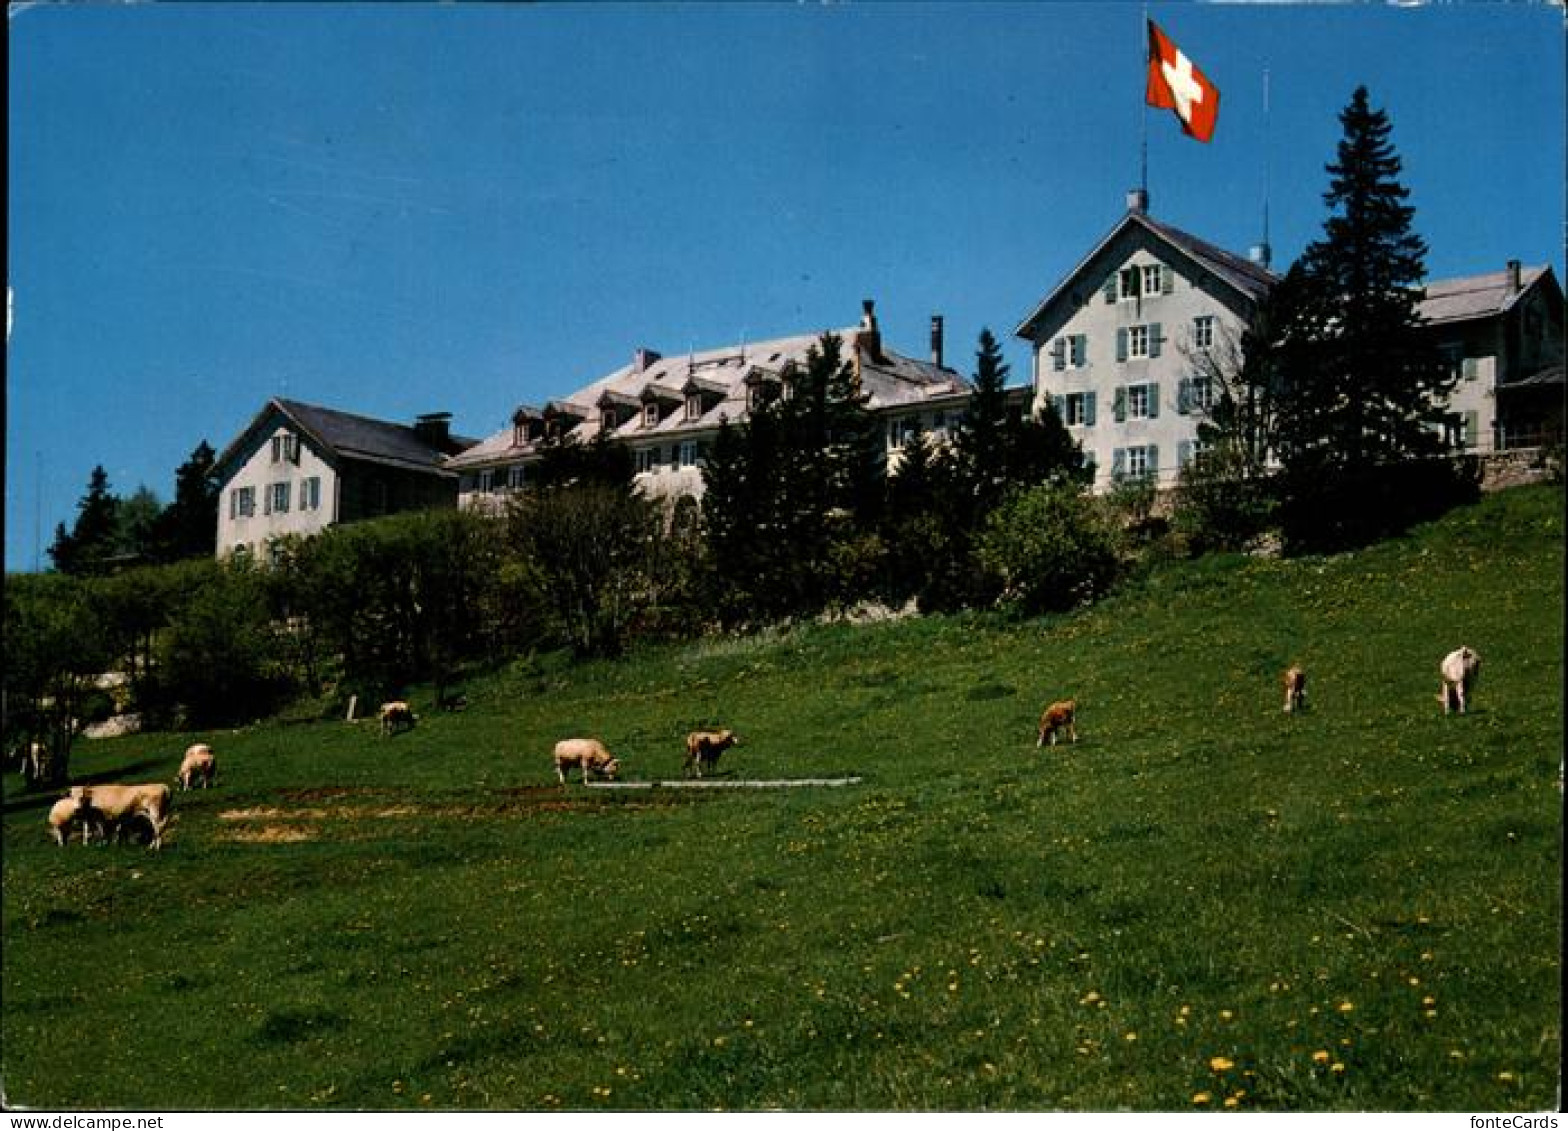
x=398 y=209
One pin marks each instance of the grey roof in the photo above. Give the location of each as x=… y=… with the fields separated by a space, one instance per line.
x=890 y=380
x=1477 y=296
x=1248 y=280
x=346 y=436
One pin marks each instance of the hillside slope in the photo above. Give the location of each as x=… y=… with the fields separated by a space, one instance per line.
x=1203 y=903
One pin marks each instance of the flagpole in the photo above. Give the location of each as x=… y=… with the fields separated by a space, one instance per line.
x=1143 y=124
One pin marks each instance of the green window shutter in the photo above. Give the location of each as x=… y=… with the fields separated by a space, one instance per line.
x=1153 y=451
x=1121 y=343
x=1183 y=453
x=1088 y=409
x=1109 y=289
x=1119 y=404
x=1154 y=339
x=1167 y=281
x=1059 y=354
x=1059 y=406
x=1183 y=395
x=1154 y=399
x=1080 y=349
x=1472 y=428
x=1470 y=368
x=1118 y=462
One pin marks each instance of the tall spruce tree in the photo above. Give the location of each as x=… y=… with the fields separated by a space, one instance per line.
x=981 y=439
x=1360 y=383
x=188 y=527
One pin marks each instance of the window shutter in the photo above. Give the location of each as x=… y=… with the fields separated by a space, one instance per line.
x=1183 y=453
x=1167 y=281
x=1080 y=344
x=1059 y=406
x=1472 y=428
x=1110 y=288
x=1059 y=354
x=1183 y=395
x=1154 y=339
x=1118 y=462
x=1154 y=399
x=234 y=503
x=1088 y=409
x=1121 y=343
x=1119 y=405
x=1153 y=456
x=1470 y=368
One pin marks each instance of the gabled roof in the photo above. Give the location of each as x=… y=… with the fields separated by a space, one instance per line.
x=1249 y=281
x=341 y=436
x=1482 y=296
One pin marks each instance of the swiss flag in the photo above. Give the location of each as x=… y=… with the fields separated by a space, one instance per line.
x=1176 y=84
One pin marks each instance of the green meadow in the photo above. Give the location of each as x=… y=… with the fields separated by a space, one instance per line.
x=1205 y=903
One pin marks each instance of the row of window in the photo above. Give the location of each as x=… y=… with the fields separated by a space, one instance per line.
x=1144 y=340
x=1135 y=402
x=276 y=498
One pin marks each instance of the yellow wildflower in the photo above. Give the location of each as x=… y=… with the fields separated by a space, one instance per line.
x=1320 y=1057
x=1221 y=1063
x=1201 y=1098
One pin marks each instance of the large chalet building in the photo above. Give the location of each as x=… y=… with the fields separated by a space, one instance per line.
x=667 y=410
x=1116 y=346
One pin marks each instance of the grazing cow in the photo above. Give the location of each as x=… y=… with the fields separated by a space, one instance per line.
x=121 y=804
x=587 y=755
x=78 y=811
x=396 y=716
x=703 y=748
x=35 y=762
x=199 y=764
x=1059 y=717
x=1295 y=681
x=1459 y=670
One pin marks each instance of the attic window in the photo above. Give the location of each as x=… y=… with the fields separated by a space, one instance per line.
x=650 y=415
x=693 y=406
x=285 y=448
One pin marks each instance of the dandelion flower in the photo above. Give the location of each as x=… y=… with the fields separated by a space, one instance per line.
x=1221 y=1063
x=1347 y=1006
x=1201 y=1098
x=1320 y=1057
x=1506 y=1077
x=1338 y=1068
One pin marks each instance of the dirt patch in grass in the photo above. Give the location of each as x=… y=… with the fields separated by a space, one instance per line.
x=270 y=834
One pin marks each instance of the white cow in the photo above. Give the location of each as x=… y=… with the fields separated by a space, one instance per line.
x=1459 y=670
x=199 y=765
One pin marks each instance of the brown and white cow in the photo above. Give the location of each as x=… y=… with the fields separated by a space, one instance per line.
x=1059 y=717
x=119 y=805
x=396 y=716
x=199 y=765
x=586 y=755
x=1459 y=669
x=703 y=748
x=1295 y=681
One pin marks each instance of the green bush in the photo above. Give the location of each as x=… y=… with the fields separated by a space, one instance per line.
x=1050 y=548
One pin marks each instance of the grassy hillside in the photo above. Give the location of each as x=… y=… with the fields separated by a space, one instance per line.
x=1204 y=903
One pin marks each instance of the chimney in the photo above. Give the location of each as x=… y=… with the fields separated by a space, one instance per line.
x=643 y=358
x=1138 y=200
x=936 y=341
x=1515 y=284
x=434 y=429
x=869 y=339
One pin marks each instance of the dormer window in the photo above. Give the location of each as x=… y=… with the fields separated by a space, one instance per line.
x=693 y=406
x=650 y=415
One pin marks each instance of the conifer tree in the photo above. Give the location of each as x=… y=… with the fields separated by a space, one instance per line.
x=92 y=540
x=1360 y=383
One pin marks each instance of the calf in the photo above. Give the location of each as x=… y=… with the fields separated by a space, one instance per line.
x=587 y=755
x=78 y=811
x=396 y=716
x=1459 y=669
x=1059 y=717
x=199 y=764
x=121 y=804
x=1295 y=681
x=703 y=748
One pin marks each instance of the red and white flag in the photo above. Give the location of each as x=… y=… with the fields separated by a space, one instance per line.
x=1176 y=84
